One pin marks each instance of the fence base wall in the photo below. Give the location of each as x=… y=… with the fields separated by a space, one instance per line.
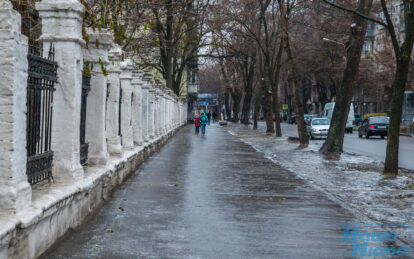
x=58 y=207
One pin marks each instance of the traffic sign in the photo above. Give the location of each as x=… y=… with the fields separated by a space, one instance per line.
x=284 y=107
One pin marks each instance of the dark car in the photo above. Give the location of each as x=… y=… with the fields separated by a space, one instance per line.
x=374 y=126
x=358 y=119
x=292 y=118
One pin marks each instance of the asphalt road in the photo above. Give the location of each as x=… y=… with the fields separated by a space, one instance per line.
x=211 y=196
x=374 y=147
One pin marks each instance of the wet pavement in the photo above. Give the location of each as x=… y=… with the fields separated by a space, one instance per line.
x=211 y=196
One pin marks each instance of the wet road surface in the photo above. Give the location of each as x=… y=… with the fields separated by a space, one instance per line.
x=211 y=197
x=374 y=147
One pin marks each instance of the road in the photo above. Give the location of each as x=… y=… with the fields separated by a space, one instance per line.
x=211 y=197
x=373 y=147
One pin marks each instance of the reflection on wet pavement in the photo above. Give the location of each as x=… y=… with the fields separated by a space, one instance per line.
x=212 y=196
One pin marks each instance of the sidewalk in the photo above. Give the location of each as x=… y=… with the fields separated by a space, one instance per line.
x=212 y=196
x=354 y=181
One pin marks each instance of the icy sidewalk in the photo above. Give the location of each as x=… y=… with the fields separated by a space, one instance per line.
x=354 y=181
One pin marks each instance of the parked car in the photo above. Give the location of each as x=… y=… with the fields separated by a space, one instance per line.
x=374 y=126
x=350 y=123
x=319 y=127
x=309 y=117
x=358 y=119
x=292 y=118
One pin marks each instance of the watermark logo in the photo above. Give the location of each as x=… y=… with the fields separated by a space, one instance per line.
x=373 y=241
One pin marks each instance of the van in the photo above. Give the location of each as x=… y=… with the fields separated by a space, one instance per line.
x=350 y=123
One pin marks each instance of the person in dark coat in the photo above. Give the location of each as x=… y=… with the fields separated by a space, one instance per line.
x=214 y=116
x=209 y=117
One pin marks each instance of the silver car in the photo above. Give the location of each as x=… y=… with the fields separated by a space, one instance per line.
x=319 y=128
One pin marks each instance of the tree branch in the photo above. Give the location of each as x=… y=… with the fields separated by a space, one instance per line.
x=356 y=13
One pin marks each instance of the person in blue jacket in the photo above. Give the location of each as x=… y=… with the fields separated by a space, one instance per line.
x=204 y=121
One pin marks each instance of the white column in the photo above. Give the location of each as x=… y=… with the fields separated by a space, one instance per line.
x=167 y=112
x=158 y=114
x=162 y=126
x=151 y=104
x=145 y=106
x=137 y=107
x=126 y=123
x=170 y=109
x=183 y=110
x=176 y=110
x=112 y=105
x=61 y=25
x=15 y=191
x=97 y=55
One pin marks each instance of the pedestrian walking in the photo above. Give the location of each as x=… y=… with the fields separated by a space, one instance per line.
x=197 y=124
x=204 y=120
x=214 y=117
x=209 y=117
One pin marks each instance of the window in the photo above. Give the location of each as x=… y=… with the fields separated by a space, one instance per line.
x=320 y=122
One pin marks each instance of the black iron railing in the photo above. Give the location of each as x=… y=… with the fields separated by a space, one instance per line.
x=84 y=147
x=40 y=87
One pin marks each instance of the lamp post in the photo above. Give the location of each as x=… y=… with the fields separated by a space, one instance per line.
x=334 y=41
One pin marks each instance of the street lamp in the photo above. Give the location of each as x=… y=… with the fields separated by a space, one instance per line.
x=334 y=41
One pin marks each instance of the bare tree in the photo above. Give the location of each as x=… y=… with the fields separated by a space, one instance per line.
x=285 y=8
x=402 y=54
x=335 y=139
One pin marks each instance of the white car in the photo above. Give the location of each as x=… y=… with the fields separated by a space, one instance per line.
x=319 y=128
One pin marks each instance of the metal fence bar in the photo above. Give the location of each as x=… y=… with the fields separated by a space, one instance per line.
x=40 y=88
x=84 y=147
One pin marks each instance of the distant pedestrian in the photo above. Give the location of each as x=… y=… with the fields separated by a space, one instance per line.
x=204 y=120
x=209 y=117
x=214 y=117
x=197 y=124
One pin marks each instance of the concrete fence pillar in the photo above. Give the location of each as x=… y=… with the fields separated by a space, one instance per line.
x=112 y=104
x=183 y=110
x=151 y=114
x=170 y=109
x=15 y=191
x=62 y=26
x=145 y=106
x=162 y=126
x=156 y=112
x=165 y=117
x=175 y=112
x=167 y=112
x=126 y=108
x=158 y=119
x=97 y=55
x=137 y=107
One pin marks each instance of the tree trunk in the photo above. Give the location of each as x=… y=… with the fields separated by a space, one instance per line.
x=275 y=90
x=403 y=57
x=267 y=107
x=236 y=107
x=246 y=105
x=256 y=111
x=391 y=158
x=334 y=141
x=227 y=106
x=169 y=47
x=300 y=119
